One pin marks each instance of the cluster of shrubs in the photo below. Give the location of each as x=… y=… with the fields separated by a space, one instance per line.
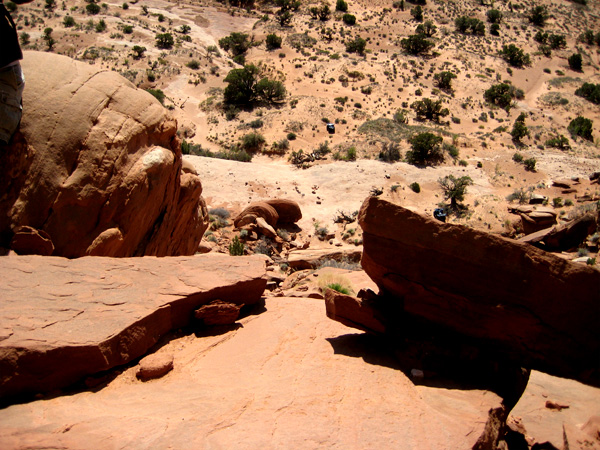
x=588 y=37
x=469 y=25
x=590 y=92
x=502 y=95
x=245 y=87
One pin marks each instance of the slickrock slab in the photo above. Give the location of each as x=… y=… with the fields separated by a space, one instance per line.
x=288 y=378
x=563 y=413
x=62 y=319
x=538 y=308
x=313 y=258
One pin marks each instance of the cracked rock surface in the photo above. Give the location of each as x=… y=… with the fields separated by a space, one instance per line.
x=286 y=378
x=62 y=319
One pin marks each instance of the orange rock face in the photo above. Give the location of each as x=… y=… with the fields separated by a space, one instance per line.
x=102 y=171
x=539 y=309
x=63 y=320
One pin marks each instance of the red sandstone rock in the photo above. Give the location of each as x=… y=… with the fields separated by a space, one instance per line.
x=62 y=320
x=218 y=312
x=558 y=413
x=289 y=378
x=29 y=241
x=288 y=210
x=353 y=312
x=313 y=258
x=153 y=366
x=98 y=166
x=259 y=209
x=534 y=306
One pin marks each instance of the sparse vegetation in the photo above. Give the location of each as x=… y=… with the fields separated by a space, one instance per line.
x=236 y=248
x=357 y=45
x=273 y=41
x=428 y=109
x=575 y=62
x=590 y=92
x=426 y=148
x=468 y=25
x=443 y=80
x=515 y=56
x=416 y=44
x=164 y=40
x=454 y=189
x=582 y=127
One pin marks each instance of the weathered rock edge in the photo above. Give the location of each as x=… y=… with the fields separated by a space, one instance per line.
x=96 y=168
x=540 y=310
x=62 y=319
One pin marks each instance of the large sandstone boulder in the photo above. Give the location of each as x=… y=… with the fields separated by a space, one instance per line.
x=62 y=320
x=97 y=166
x=536 y=308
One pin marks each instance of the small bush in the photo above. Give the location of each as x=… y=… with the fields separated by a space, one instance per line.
x=417 y=13
x=349 y=19
x=538 y=15
x=502 y=95
x=164 y=40
x=515 y=56
x=517 y=157
x=468 y=25
x=590 y=92
x=428 y=109
x=219 y=212
x=252 y=142
x=494 y=16
x=357 y=45
x=68 y=21
x=416 y=44
x=530 y=164
x=158 y=94
x=256 y=124
x=390 y=152
x=425 y=149
x=92 y=9
x=443 y=80
x=521 y=195
x=575 y=62
x=341 y=5
x=415 y=187
x=560 y=142
x=193 y=64
x=273 y=42
x=580 y=126
x=236 y=248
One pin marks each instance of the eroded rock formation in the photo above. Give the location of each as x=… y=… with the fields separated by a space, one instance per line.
x=97 y=166
x=535 y=308
x=62 y=319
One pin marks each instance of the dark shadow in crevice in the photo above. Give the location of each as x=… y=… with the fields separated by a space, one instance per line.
x=438 y=358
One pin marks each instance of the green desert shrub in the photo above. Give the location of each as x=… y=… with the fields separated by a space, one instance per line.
x=426 y=148
x=580 y=126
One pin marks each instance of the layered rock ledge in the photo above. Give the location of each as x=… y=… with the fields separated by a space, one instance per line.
x=62 y=319
x=533 y=307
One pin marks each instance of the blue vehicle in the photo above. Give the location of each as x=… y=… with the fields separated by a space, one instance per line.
x=439 y=214
x=330 y=128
